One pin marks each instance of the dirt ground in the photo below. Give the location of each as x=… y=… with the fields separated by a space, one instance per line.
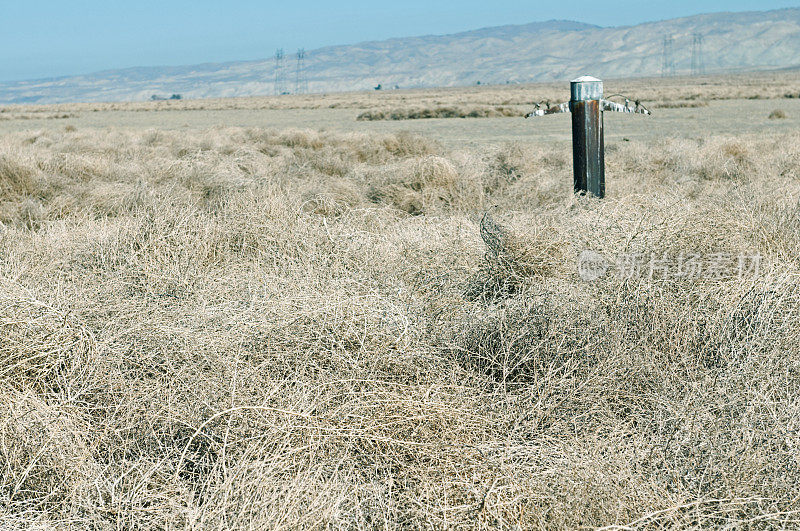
x=718 y=118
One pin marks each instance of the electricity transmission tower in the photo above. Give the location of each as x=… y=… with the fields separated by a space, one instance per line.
x=667 y=62
x=280 y=73
x=698 y=65
x=301 y=81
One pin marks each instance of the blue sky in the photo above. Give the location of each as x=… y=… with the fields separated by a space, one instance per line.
x=55 y=38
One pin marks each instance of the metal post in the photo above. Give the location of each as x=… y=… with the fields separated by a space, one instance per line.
x=587 y=136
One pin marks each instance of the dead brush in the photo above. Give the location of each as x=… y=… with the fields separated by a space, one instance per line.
x=762 y=315
x=42 y=349
x=46 y=354
x=732 y=161
x=50 y=460
x=693 y=160
x=450 y=111
x=506 y=166
x=535 y=331
x=334 y=198
x=209 y=332
x=513 y=260
x=406 y=144
x=328 y=162
x=304 y=138
x=30 y=214
x=670 y=104
x=427 y=185
x=16 y=178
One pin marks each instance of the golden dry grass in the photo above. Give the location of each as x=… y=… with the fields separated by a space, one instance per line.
x=453 y=111
x=5 y=116
x=249 y=328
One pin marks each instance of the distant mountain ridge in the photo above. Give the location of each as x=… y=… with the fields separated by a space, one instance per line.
x=539 y=51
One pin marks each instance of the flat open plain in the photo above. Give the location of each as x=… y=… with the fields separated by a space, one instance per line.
x=723 y=117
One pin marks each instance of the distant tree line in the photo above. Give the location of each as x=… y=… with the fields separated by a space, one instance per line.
x=156 y=97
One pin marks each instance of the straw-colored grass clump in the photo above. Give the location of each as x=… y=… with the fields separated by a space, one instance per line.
x=237 y=328
x=452 y=111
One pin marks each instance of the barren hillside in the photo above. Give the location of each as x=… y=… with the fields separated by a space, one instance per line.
x=542 y=51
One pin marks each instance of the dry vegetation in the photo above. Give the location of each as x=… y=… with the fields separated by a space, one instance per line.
x=252 y=328
x=689 y=104
x=35 y=116
x=455 y=111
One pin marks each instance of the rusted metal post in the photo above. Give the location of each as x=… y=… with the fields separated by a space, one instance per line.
x=588 y=153
x=587 y=136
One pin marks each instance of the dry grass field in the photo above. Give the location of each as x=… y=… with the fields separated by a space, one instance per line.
x=351 y=325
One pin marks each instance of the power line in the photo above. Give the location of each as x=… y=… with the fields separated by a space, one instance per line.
x=280 y=72
x=667 y=61
x=301 y=81
x=698 y=64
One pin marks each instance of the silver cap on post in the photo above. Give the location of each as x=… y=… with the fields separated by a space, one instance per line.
x=586 y=88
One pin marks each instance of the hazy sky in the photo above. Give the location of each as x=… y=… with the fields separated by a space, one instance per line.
x=55 y=38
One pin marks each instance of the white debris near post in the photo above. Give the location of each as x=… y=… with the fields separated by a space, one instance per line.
x=607 y=105
x=636 y=108
x=561 y=107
